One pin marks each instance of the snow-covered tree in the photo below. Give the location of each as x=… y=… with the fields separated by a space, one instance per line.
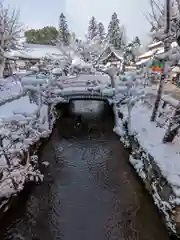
x=165 y=29
x=156 y=15
x=64 y=34
x=136 y=41
x=90 y=50
x=123 y=36
x=157 y=20
x=10 y=32
x=101 y=31
x=92 y=28
x=161 y=31
x=133 y=93
x=130 y=52
x=115 y=35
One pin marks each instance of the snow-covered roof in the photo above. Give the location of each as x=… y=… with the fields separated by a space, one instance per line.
x=9 y=56
x=150 y=53
x=157 y=50
x=37 y=51
x=156 y=44
x=142 y=61
x=146 y=55
x=160 y=50
x=176 y=69
x=109 y=51
x=118 y=53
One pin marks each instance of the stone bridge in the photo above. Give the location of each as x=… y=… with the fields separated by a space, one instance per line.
x=85 y=87
x=87 y=94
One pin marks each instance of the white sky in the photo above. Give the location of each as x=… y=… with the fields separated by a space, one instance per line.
x=39 y=13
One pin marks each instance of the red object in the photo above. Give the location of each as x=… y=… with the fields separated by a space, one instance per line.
x=157 y=69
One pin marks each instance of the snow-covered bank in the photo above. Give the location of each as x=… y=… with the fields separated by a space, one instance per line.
x=10 y=89
x=22 y=126
x=156 y=163
x=28 y=118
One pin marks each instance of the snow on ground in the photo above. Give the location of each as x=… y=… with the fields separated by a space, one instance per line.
x=150 y=138
x=9 y=88
x=22 y=124
x=24 y=120
x=21 y=105
x=37 y=51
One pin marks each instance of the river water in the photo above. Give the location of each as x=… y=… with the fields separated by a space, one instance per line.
x=90 y=191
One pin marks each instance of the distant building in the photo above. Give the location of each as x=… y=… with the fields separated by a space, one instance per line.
x=111 y=56
x=153 y=49
x=29 y=55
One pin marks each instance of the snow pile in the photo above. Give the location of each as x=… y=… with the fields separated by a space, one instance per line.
x=134 y=123
x=33 y=80
x=10 y=88
x=37 y=51
x=57 y=71
x=80 y=66
x=150 y=137
x=59 y=88
x=22 y=123
x=34 y=68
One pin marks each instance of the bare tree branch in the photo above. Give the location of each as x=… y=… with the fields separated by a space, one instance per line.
x=10 y=31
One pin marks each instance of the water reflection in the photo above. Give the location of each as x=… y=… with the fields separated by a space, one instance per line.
x=87 y=106
x=90 y=192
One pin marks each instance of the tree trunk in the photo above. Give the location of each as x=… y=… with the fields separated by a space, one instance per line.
x=163 y=76
x=129 y=118
x=158 y=98
x=173 y=127
x=2 y=65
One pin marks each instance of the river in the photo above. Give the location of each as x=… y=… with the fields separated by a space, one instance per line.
x=90 y=191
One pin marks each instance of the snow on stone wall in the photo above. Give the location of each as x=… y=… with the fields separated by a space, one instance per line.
x=27 y=115
x=23 y=123
x=156 y=163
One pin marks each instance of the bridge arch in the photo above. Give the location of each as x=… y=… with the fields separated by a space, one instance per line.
x=66 y=106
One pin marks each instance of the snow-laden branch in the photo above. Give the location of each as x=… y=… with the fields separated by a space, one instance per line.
x=10 y=32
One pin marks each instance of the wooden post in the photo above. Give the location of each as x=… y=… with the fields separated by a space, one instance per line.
x=163 y=75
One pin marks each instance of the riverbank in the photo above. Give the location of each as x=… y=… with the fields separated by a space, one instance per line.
x=88 y=188
x=156 y=163
x=23 y=127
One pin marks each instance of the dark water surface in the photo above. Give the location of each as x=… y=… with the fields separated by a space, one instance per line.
x=90 y=191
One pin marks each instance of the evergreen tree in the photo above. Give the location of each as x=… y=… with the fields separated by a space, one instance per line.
x=101 y=31
x=114 y=32
x=63 y=30
x=44 y=35
x=123 y=36
x=92 y=29
x=136 y=42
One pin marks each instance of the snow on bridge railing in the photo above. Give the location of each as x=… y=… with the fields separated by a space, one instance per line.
x=84 y=91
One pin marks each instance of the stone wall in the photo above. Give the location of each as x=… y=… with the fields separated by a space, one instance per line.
x=27 y=164
x=158 y=187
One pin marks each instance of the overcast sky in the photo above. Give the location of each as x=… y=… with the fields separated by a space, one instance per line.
x=39 y=13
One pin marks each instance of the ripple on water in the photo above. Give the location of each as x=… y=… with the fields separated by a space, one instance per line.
x=90 y=192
